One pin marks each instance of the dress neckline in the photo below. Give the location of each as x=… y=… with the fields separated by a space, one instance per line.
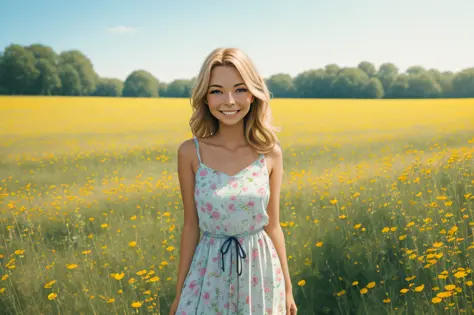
x=202 y=164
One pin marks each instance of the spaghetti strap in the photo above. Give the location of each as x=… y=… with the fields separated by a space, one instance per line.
x=197 y=148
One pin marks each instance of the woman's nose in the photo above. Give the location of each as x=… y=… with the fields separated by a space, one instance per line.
x=229 y=99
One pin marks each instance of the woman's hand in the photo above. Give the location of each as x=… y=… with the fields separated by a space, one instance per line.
x=174 y=306
x=290 y=304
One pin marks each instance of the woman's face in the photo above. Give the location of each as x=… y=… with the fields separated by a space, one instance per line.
x=228 y=97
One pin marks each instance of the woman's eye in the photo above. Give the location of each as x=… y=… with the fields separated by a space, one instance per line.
x=238 y=90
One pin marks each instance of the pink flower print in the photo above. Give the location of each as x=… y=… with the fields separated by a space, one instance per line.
x=213 y=186
x=261 y=191
x=234 y=184
x=254 y=281
x=216 y=215
x=209 y=206
x=212 y=241
x=244 y=189
x=248 y=300
x=254 y=174
x=260 y=242
x=231 y=207
x=258 y=217
x=196 y=291
x=202 y=272
x=254 y=253
x=203 y=172
x=278 y=271
x=251 y=203
x=233 y=197
x=183 y=313
x=203 y=209
x=226 y=305
x=198 y=192
x=232 y=289
x=206 y=297
x=252 y=228
x=268 y=311
x=192 y=285
x=267 y=290
x=218 y=227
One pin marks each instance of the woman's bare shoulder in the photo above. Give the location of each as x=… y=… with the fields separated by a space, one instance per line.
x=187 y=157
x=274 y=157
x=186 y=146
x=276 y=152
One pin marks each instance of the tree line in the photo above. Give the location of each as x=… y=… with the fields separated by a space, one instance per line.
x=38 y=70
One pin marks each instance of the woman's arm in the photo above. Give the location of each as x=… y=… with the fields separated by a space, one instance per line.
x=273 y=228
x=190 y=227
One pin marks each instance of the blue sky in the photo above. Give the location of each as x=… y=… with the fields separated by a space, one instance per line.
x=170 y=39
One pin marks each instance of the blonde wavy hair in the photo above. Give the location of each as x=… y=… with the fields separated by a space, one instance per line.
x=258 y=129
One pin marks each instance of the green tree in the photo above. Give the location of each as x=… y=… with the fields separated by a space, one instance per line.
x=303 y=83
x=415 y=70
x=387 y=74
x=70 y=81
x=314 y=84
x=332 y=69
x=374 y=88
x=446 y=83
x=48 y=81
x=140 y=83
x=368 y=68
x=84 y=68
x=162 y=89
x=399 y=89
x=422 y=85
x=18 y=73
x=46 y=62
x=281 y=85
x=463 y=83
x=179 y=88
x=109 y=87
x=351 y=83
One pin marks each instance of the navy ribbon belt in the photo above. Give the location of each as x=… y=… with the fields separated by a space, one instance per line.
x=226 y=246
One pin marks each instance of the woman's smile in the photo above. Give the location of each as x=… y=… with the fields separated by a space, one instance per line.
x=229 y=113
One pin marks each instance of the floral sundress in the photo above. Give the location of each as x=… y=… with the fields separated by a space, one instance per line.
x=235 y=267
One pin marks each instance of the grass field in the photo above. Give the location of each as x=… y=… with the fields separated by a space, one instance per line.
x=376 y=204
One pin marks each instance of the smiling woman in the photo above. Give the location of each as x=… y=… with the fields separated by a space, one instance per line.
x=230 y=175
x=230 y=82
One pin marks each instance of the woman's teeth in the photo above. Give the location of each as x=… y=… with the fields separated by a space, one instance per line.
x=230 y=113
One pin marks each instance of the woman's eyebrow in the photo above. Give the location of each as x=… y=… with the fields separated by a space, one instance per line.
x=220 y=86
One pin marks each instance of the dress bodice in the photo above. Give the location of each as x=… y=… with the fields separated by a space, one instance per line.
x=232 y=204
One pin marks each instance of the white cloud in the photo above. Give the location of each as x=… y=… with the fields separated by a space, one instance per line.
x=121 y=30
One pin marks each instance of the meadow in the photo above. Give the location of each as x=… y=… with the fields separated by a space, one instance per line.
x=376 y=204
